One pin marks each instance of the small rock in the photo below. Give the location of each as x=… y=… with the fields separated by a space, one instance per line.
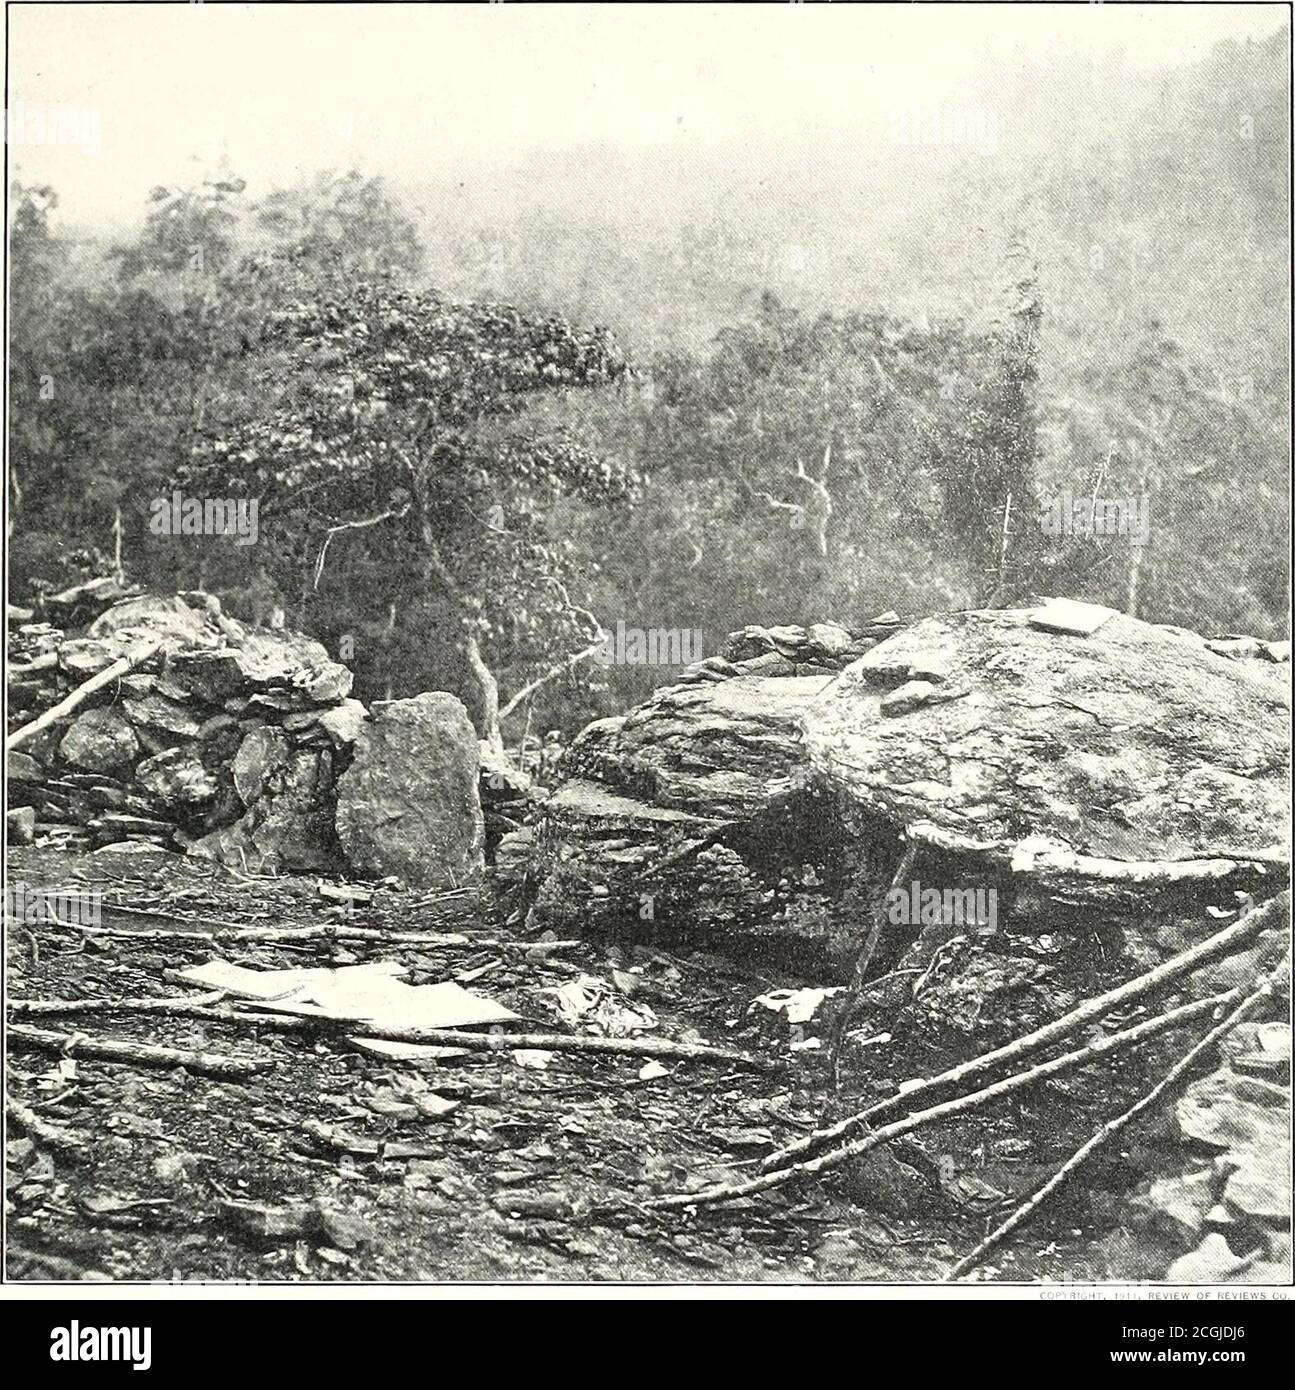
x=346 y=1229
x=263 y=752
x=21 y=767
x=909 y=696
x=177 y=778
x=160 y=714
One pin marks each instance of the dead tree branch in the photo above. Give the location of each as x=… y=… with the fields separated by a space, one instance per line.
x=1108 y=1132
x=136 y=1054
x=71 y=703
x=1222 y=943
x=951 y=1109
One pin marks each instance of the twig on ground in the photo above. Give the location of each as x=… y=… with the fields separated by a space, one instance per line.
x=136 y=1054
x=559 y=1042
x=41 y=1131
x=226 y=932
x=444 y=1037
x=33 y=1008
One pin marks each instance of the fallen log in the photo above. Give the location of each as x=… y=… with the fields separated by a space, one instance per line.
x=446 y=1037
x=136 y=1054
x=834 y=1158
x=41 y=1131
x=1222 y=943
x=1108 y=1132
x=180 y=1008
x=72 y=702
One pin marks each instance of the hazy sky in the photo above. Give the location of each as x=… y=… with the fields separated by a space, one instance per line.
x=138 y=92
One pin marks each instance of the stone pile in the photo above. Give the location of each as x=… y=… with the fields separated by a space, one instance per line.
x=224 y=733
x=245 y=746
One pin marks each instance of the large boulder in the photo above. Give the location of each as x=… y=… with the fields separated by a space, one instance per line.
x=409 y=803
x=1047 y=773
x=1131 y=745
x=691 y=817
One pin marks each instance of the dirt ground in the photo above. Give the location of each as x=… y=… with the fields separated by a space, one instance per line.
x=332 y=1166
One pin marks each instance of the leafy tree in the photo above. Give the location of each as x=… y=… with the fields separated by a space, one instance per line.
x=1155 y=424
x=400 y=419
x=819 y=466
x=345 y=224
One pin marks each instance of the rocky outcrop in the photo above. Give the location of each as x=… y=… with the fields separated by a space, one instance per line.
x=1045 y=752
x=1024 y=814
x=1039 y=773
x=692 y=815
x=409 y=804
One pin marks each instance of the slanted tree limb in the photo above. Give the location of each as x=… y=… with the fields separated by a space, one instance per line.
x=1222 y=943
x=72 y=702
x=136 y=1054
x=1108 y=1132
x=554 y=671
x=392 y=514
x=976 y=1100
x=876 y=928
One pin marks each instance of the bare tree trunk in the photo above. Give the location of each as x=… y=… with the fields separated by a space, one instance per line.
x=1135 y=574
x=1135 y=567
x=487 y=690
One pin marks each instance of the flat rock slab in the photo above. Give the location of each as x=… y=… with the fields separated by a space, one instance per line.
x=1129 y=743
x=1070 y=618
x=409 y=803
x=718 y=749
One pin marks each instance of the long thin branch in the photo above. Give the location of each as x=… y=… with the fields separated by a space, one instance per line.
x=810 y=1167
x=876 y=928
x=1108 y=1132
x=211 y=935
x=44 y=1008
x=52 y=1136
x=565 y=665
x=390 y=515
x=558 y=1042
x=71 y=703
x=496 y=1041
x=138 y=1054
x=1092 y=1010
